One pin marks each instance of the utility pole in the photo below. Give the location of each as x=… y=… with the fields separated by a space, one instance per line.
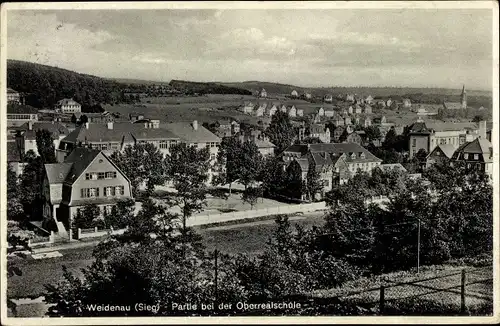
x=216 y=276
x=418 y=247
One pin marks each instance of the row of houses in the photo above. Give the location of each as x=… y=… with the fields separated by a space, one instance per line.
x=269 y=109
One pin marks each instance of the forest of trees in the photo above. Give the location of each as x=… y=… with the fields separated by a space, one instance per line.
x=45 y=85
x=188 y=87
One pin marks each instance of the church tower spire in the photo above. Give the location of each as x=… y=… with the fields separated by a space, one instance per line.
x=463 y=98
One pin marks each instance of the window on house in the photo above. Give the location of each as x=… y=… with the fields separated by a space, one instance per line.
x=466 y=156
x=120 y=190
x=91 y=176
x=438 y=153
x=442 y=141
x=114 y=146
x=414 y=142
x=104 y=147
x=109 y=191
x=163 y=144
x=90 y=192
x=100 y=175
x=476 y=157
x=110 y=175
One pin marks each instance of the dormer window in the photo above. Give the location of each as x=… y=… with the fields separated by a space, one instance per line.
x=466 y=156
x=362 y=155
x=353 y=156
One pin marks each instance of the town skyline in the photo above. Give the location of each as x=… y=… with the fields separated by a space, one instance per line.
x=306 y=48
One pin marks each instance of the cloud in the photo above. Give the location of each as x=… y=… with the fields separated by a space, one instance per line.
x=299 y=46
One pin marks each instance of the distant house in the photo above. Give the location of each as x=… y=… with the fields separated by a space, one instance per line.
x=350 y=110
x=261 y=110
x=476 y=154
x=369 y=99
x=347 y=120
x=354 y=137
x=248 y=108
x=452 y=105
x=441 y=153
x=263 y=93
x=337 y=119
x=367 y=109
x=388 y=103
x=321 y=112
x=20 y=114
x=358 y=109
x=292 y=111
x=329 y=113
x=283 y=108
x=85 y=177
x=337 y=133
x=68 y=105
x=26 y=134
x=392 y=167
x=13 y=97
x=406 y=103
x=349 y=98
x=294 y=93
x=272 y=110
x=381 y=104
x=320 y=131
x=328 y=98
x=300 y=112
x=336 y=162
x=308 y=96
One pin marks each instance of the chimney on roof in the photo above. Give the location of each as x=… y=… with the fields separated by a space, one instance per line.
x=30 y=125
x=195 y=124
x=110 y=125
x=482 y=129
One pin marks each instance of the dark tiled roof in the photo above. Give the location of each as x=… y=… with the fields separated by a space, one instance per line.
x=56 y=129
x=419 y=127
x=185 y=131
x=80 y=158
x=26 y=109
x=100 y=132
x=335 y=148
x=447 y=149
x=67 y=101
x=57 y=173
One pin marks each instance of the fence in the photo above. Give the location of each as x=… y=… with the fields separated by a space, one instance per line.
x=41 y=241
x=80 y=234
x=459 y=293
x=241 y=215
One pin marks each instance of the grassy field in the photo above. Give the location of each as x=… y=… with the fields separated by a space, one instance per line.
x=242 y=238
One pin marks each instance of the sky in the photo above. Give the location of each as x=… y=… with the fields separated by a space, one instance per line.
x=306 y=47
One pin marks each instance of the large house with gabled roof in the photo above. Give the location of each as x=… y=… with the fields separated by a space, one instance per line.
x=337 y=162
x=87 y=176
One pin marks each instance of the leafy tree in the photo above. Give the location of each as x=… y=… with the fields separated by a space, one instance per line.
x=18 y=235
x=280 y=131
x=313 y=183
x=120 y=214
x=250 y=161
x=30 y=186
x=188 y=168
x=251 y=195
x=86 y=217
x=83 y=119
x=294 y=181
x=390 y=139
x=45 y=146
x=14 y=206
x=373 y=133
x=146 y=264
x=228 y=161
x=272 y=176
x=141 y=163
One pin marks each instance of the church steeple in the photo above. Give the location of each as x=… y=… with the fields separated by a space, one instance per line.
x=463 y=98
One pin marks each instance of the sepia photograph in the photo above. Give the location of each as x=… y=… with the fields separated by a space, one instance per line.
x=249 y=162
